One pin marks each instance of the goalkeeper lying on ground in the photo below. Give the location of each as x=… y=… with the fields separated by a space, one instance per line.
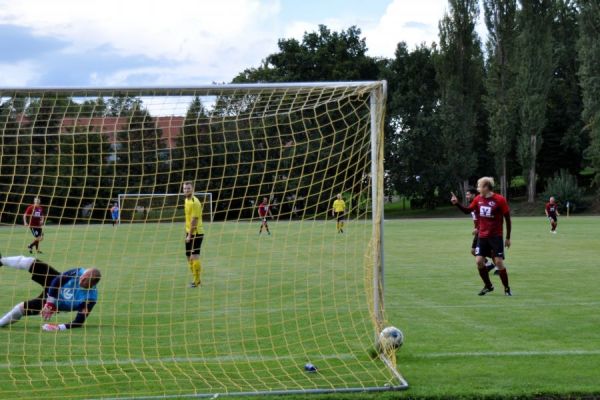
x=73 y=290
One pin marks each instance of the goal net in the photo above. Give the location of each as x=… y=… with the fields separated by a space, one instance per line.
x=157 y=207
x=269 y=303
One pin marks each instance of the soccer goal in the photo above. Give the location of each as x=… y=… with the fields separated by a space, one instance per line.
x=269 y=307
x=159 y=207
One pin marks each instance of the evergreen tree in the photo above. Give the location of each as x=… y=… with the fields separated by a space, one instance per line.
x=563 y=137
x=535 y=70
x=501 y=22
x=589 y=73
x=460 y=76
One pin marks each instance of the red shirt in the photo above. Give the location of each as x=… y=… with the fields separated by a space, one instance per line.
x=37 y=215
x=263 y=209
x=490 y=212
x=551 y=209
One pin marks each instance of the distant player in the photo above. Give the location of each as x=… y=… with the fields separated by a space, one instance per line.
x=264 y=211
x=194 y=232
x=470 y=195
x=338 y=211
x=33 y=218
x=492 y=210
x=552 y=214
x=73 y=290
x=114 y=213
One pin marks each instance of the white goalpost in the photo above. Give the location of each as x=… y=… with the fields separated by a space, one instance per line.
x=159 y=207
x=295 y=311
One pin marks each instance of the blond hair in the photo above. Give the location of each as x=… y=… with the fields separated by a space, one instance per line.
x=486 y=181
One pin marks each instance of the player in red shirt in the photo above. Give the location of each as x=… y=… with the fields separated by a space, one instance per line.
x=552 y=214
x=264 y=211
x=470 y=195
x=492 y=210
x=33 y=218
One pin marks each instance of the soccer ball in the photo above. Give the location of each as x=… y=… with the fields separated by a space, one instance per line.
x=390 y=338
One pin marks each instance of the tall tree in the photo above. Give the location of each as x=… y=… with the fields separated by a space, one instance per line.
x=563 y=137
x=321 y=56
x=460 y=75
x=589 y=72
x=501 y=22
x=413 y=156
x=533 y=83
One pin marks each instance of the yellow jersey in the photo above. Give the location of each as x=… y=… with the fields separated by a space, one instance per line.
x=193 y=209
x=339 y=206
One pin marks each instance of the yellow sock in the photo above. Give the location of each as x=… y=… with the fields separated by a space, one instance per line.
x=196 y=271
x=337 y=226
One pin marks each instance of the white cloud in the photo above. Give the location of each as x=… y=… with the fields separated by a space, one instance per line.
x=211 y=38
x=409 y=21
x=23 y=73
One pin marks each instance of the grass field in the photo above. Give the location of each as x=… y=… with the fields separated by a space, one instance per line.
x=271 y=304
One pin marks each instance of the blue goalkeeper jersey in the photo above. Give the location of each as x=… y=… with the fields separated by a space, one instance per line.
x=67 y=292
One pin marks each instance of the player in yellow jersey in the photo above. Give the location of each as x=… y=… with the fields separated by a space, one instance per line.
x=194 y=232
x=338 y=211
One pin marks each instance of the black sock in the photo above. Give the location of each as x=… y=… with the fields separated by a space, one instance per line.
x=485 y=277
x=504 y=277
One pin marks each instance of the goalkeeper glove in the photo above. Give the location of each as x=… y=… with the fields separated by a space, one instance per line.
x=54 y=327
x=48 y=311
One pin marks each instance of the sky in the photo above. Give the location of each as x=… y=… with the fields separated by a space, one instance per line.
x=120 y=43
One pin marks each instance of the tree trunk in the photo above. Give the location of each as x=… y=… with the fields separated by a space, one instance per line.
x=531 y=180
x=503 y=185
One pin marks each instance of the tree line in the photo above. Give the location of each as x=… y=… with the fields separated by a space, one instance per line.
x=523 y=106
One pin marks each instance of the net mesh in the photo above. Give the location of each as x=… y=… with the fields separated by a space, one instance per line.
x=268 y=305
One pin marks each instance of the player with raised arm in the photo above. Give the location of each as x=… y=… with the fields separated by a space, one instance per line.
x=492 y=210
x=552 y=214
x=114 y=213
x=469 y=196
x=73 y=290
x=194 y=232
x=33 y=218
x=264 y=211
x=338 y=210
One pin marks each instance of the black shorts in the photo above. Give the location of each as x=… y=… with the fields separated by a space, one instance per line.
x=43 y=274
x=194 y=245
x=490 y=247
x=264 y=219
x=340 y=216
x=553 y=218
x=36 y=232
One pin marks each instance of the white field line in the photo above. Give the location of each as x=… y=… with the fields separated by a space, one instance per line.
x=313 y=358
x=524 y=353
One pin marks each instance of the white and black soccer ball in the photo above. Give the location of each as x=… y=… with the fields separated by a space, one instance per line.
x=390 y=338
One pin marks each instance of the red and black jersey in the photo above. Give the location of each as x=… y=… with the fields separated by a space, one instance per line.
x=263 y=209
x=551 y=209
x=490 y=212
x=36 y=214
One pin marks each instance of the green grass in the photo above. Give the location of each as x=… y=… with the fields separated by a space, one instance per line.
x=271 y=304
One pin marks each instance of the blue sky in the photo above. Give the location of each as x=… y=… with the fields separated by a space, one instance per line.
x=182 y=42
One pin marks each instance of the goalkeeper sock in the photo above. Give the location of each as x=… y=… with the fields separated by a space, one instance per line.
x=196 y=271
x=17 y=262
x=12 y=316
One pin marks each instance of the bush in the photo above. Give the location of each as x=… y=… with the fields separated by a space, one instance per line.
x=563 y=186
